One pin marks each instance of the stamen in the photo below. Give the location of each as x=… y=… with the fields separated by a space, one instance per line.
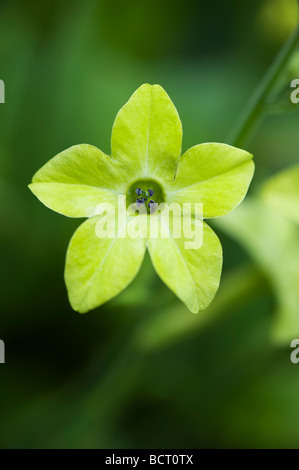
x=152 y=206
x=140 y=200
x=143 y=197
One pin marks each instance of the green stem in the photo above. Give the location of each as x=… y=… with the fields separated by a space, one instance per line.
x=257 y=103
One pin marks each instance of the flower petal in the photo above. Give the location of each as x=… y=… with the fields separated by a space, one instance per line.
x=72 y=200
x=98 y=269
x=75 y=181
x=192 y=274
x=216 y=175
x=147 y=134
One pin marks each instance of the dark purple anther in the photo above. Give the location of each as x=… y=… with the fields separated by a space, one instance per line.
x=140 y=201
x=151 y=192
x=138 y=191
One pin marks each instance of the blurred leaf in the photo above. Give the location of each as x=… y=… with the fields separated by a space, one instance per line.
x=277 y=18
x=273 y=242
x=281 y=193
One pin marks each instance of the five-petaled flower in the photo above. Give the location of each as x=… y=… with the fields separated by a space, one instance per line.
x=145 y=160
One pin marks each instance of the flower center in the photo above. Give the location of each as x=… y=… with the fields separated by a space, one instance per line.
x=146 y=193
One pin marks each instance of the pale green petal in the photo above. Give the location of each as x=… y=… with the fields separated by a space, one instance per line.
x=80 y=164
x=147 y=134
x=281 y=193
x=97 y=269
x=273 y=242
x=192 y=274
x=216 y=175
x=72 y=200
x=76 y=180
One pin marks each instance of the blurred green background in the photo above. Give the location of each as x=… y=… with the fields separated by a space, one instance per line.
x=142 y=371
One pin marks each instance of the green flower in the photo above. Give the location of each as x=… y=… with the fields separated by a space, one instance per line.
x=145 y=162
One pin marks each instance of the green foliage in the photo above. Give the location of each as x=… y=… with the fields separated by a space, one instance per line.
x=273 y=242
x=281 y=193
x=140 y=371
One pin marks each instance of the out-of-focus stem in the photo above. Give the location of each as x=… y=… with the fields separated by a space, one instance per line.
x=257 y=103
